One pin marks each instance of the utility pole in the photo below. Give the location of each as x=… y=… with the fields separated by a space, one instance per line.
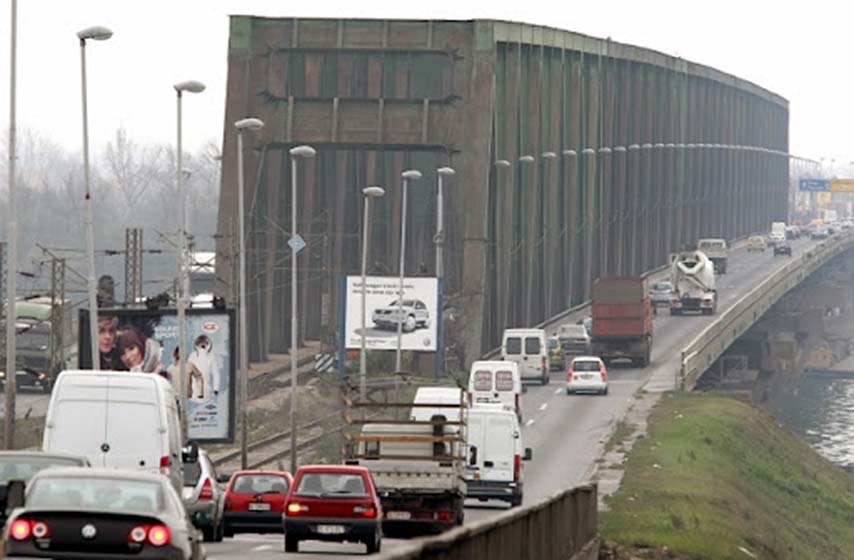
x=57 y=316
x=12 y=258
x=133 y=265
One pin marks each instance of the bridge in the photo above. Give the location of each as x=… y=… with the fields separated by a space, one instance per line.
x=576 y=158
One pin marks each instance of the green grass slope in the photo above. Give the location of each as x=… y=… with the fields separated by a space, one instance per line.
x=718 y=478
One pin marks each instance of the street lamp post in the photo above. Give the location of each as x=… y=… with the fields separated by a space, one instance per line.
x=296 y=153
x=369 y=193
x=409 y=175
x=247 y=124
x=96 y=34
x=183 y=273
x=441 y=173
x=12 y=260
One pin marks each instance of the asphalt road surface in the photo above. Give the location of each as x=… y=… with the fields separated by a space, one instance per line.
x=563 y=431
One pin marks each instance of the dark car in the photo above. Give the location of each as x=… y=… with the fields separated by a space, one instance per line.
x=333 y=503
x=255 y=501
x=23 y=465
x=782 y=248
x=101 y=513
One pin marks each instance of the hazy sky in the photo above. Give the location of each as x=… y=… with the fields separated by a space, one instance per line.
x=803 y=55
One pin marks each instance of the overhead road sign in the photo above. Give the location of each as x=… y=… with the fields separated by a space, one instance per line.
x=842 y=185
x=814 y=185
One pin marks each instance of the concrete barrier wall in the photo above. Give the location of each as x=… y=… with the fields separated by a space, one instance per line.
x=710 y=344
x=561 y=528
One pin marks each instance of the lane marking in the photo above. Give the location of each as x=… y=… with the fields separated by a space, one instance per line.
x=262 y=547
x=544 y=406
x=558 y=391
x=529 y=422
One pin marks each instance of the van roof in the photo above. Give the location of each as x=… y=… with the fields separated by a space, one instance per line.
x=495 y=364
x=439 y=395
x=116 y=378
x=524 y=331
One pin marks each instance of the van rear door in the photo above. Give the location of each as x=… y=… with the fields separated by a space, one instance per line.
x=78 y=426
x=134 y=437
x=497 y=454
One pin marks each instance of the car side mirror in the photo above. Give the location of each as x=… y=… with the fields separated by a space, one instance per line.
x=472 y=455
x=529 y=454
x=190 y=454
x=14 y=494
x=223 y=478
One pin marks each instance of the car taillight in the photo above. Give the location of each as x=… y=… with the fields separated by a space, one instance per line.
x=20 y=529
x=296 y=508
x=445 y=516
x=138 y=534
x=368 y=511
x=40 y=530
x=159 y=535
x=517 y=467
x=544 y=364
x=603 y=373
x=569 y=373
x=165 y=463
x=207 y=490
x=518 y=406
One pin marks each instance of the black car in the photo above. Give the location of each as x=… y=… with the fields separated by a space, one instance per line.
x=100 y=513
x=23 y=465
x=28 y=380
x=782 y=249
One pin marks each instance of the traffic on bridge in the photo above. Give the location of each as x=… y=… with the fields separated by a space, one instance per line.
x=427 y=297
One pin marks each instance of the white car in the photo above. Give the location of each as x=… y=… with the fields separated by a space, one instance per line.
x=587 y=374
x=412 y=315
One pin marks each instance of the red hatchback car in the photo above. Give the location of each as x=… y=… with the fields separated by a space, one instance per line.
x=333 y=503
x=254 y=502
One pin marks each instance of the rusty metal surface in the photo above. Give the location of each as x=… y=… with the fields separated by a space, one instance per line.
x=523 y=242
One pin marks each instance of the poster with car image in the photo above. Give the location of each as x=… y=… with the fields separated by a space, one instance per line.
x=417 y=314
x=146 y=341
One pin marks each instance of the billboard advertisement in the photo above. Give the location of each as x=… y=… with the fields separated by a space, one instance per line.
x=147 y=341
x=842 y=185
x=419 y=317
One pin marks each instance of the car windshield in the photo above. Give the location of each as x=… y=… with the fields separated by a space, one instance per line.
x=662 y=286
x=585 y=365
x=24 y=468
x=99 y=494
x=260 y=484
x=331 y=485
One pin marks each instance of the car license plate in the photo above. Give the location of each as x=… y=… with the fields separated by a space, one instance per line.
x=588 y=376
x=259 y=507
x=330 y=529
x=399 y=515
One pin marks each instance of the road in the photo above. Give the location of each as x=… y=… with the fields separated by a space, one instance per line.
x=564 y=431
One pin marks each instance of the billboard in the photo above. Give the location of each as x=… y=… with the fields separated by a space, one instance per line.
x=146 y=341
x=814 y=185
x=842 y=185
x=824 y=198
x=420 y=318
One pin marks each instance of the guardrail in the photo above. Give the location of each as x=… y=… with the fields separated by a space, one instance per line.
x=713 y=341
x=561 y=528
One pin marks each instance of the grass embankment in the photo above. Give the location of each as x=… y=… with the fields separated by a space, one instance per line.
x=717 y=478
x=28 y=433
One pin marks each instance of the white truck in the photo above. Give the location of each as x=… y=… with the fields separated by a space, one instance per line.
x=778 y=233
x=717 y=251
x=693 y=277
x=418 y=464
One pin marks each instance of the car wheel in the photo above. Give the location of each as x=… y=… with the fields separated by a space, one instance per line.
x=410 y=324
x=605 y=391
x=545 y=380
x=375 y=544
x=208 y=533
x=569 y=392
x=516 y=501
x=291 y=544
x=226 y=531
x=219 y=531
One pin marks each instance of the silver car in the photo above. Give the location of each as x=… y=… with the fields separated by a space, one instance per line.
x=413 y=314
x=574 y=339
x=660 y=293
x=203 y=498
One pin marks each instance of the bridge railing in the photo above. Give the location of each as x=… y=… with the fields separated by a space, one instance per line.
x=561 y=528
x=713 y=341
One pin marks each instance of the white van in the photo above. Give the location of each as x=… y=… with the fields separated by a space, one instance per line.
x=527 y=347
x=118 y=419
x=496 y=381
x=495 y=455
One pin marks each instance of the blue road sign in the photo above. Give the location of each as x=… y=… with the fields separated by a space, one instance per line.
x=814 y=185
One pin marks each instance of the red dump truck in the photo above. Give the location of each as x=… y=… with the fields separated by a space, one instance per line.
x=622 y=319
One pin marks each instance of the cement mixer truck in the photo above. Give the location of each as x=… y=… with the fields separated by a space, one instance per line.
x=692 y=274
